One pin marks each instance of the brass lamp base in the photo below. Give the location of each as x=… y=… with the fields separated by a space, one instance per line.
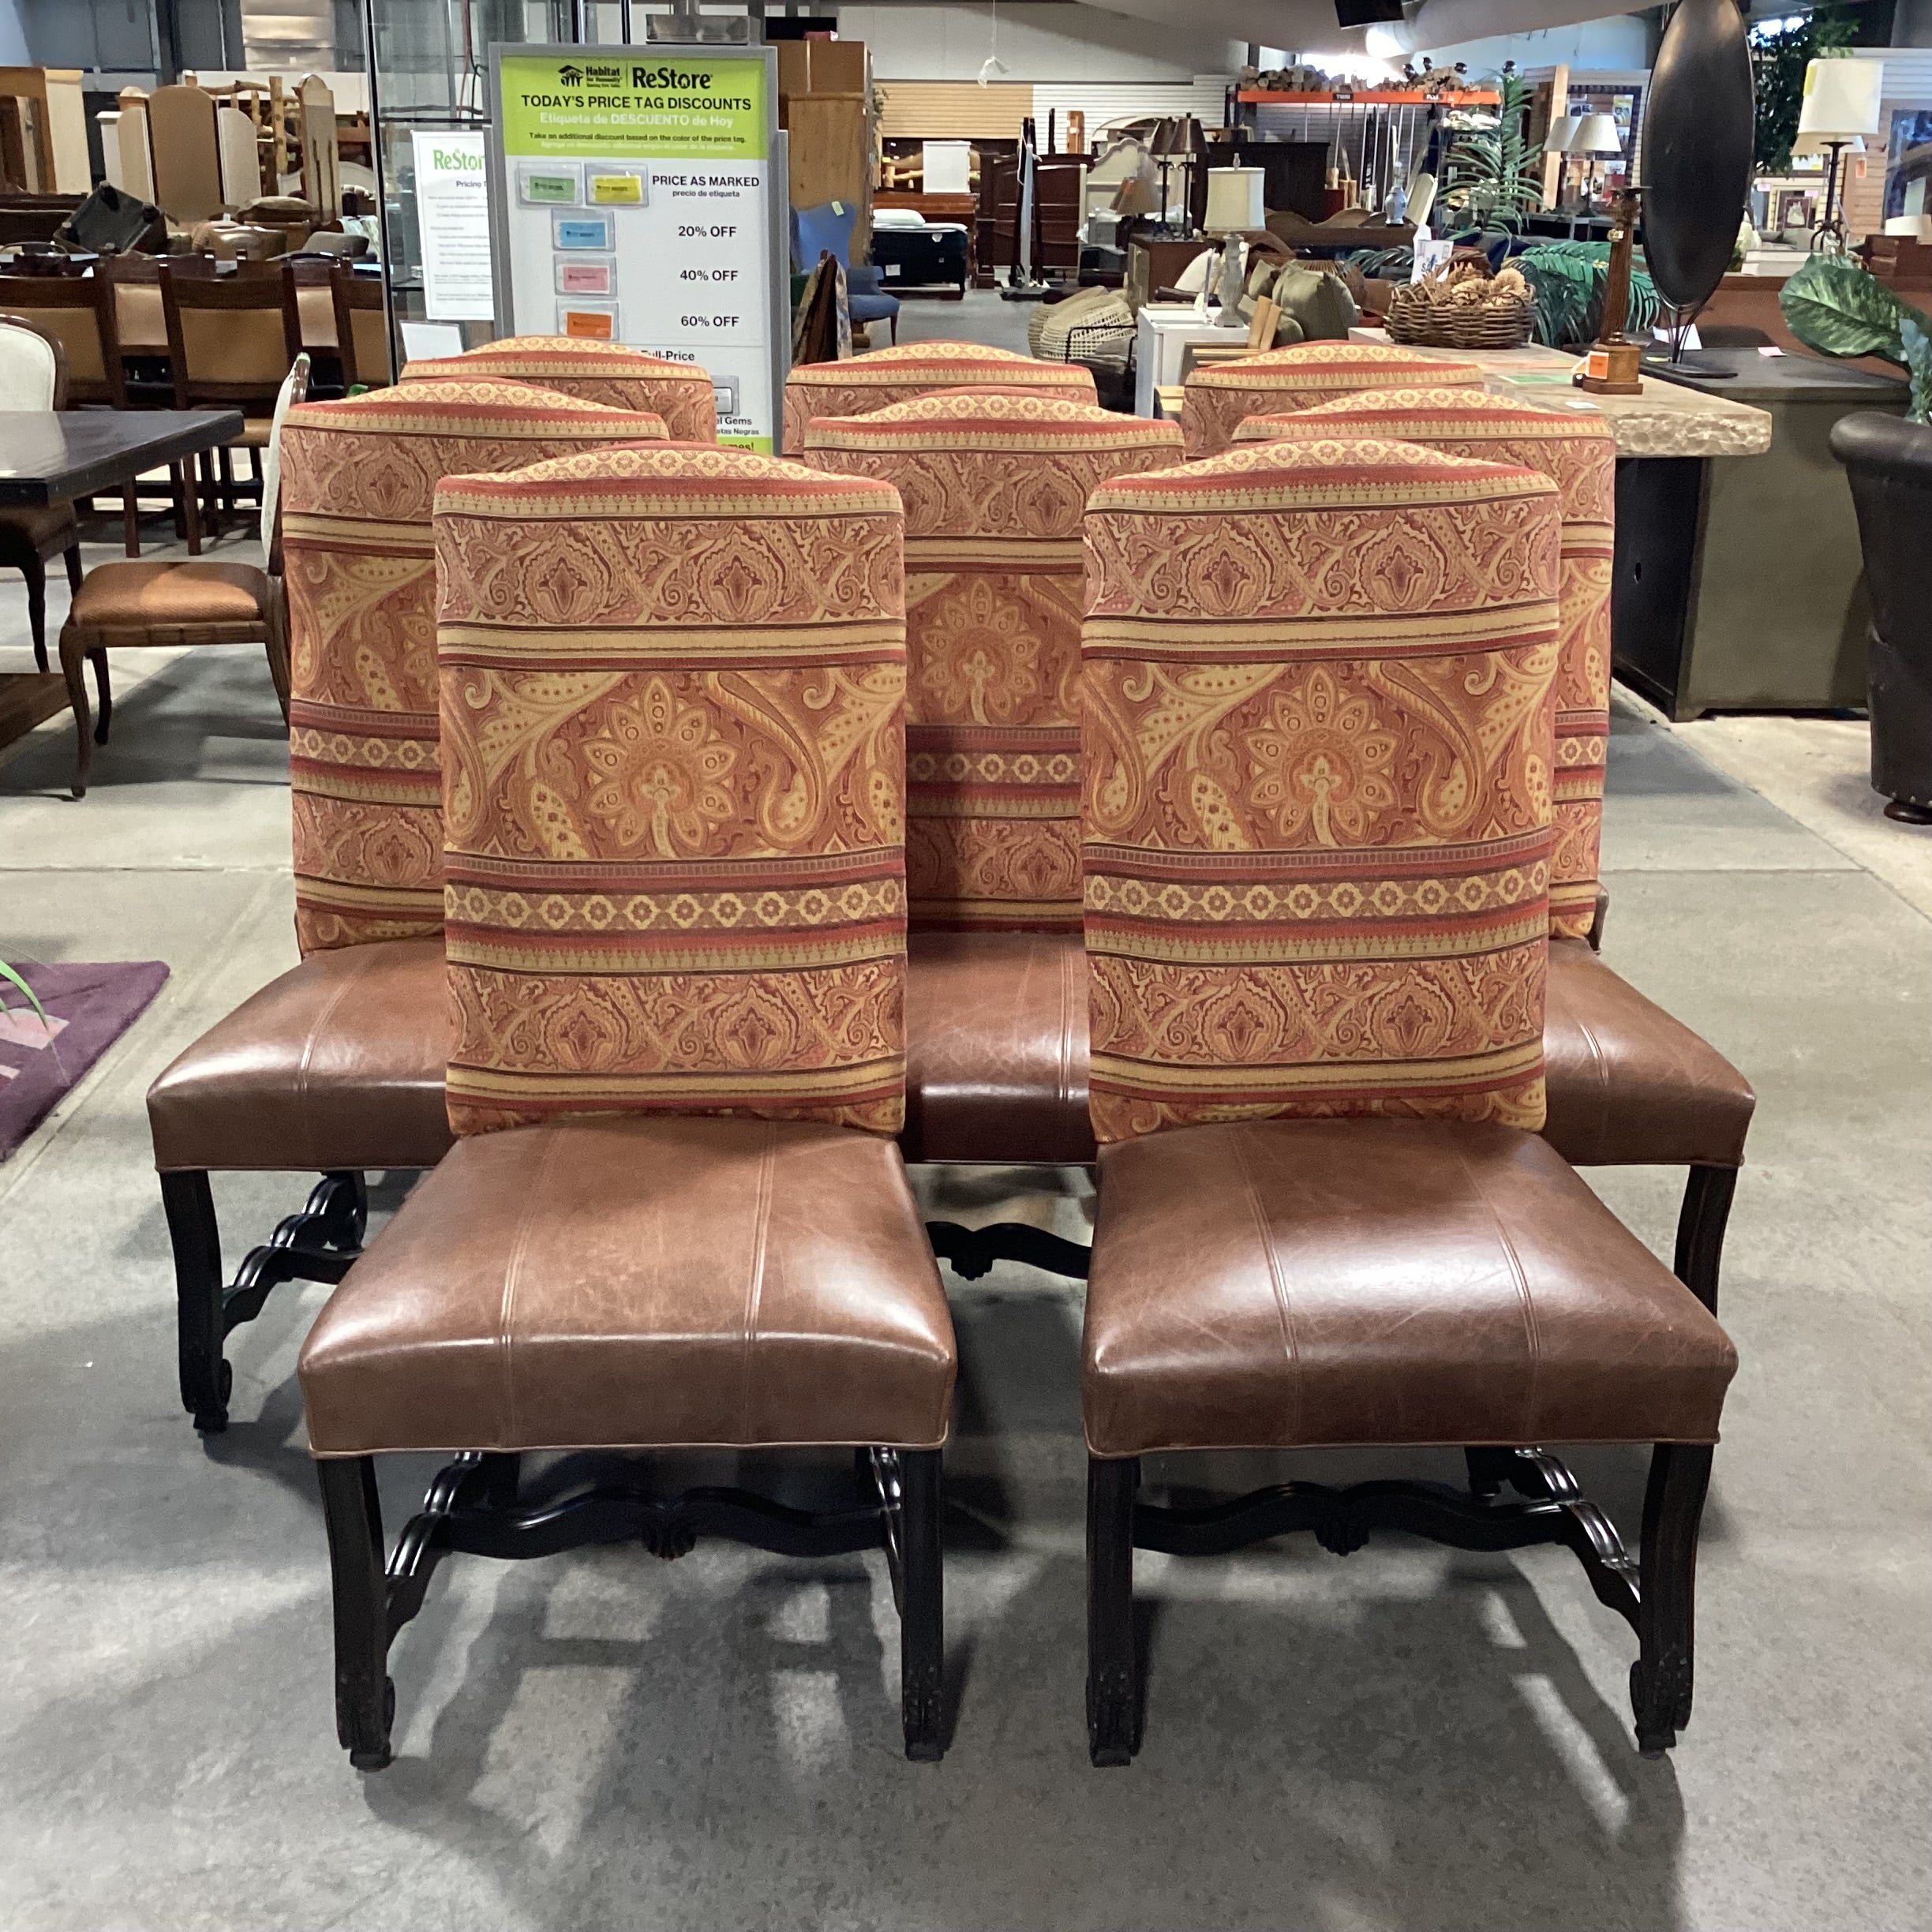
x=1612 y=368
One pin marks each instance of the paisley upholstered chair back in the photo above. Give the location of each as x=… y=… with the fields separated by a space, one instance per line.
x=606 y=372
x=1578 y=455
x=860 y=384
x=995 y=487
x=358 y=482
x=1315 y=744
x=673 y=702
x=1299 y=376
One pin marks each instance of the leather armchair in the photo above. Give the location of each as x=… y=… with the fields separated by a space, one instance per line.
x=1317 y=830
x=337 y=1066
x=674 y=1216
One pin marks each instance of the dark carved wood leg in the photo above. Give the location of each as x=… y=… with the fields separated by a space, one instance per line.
x=1700 y=1225
x=196 y=1235
x=922 y=1606
x=1113 y=1698
x=365 y=1697
x=1660 y=1680
x=35 y=572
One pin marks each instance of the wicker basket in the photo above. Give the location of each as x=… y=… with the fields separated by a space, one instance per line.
x=1424 y=315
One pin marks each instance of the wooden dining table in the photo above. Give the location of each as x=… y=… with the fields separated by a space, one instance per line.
x=53 y=456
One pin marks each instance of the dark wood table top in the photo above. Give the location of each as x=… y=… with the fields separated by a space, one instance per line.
x=49 y=457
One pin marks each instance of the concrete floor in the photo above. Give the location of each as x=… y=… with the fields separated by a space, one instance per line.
x=1407 y=1739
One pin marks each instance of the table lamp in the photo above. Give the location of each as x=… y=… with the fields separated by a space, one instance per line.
x=1597 y=138
x=1558 y=142
x=1841 y=107
x=1236 y=200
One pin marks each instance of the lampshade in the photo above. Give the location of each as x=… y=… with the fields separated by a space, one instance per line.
x=1841 y=98
x=1823 y=144
x=1596 y=134
x=1235 y=200
x=1562 y=137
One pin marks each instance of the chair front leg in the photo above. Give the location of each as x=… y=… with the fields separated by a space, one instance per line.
x=922 y=1606
x=365 y=1697
x=195 y=1237
x=1700 y=1225
x=1661 y=1678
x=1113 y=1689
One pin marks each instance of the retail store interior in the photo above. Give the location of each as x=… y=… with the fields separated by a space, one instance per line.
x=965 y=964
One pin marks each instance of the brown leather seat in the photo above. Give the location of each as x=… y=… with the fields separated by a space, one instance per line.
x=1280 y=1284
x=996 y=1060
x=1629 y=1086
x=641 y=1283
x=155 y=596
x=338 y=1064
x=996 y=1048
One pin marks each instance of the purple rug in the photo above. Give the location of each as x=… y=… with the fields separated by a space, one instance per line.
x=88 y=1008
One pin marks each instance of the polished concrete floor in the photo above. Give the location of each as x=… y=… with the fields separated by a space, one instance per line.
x=1404 y=1738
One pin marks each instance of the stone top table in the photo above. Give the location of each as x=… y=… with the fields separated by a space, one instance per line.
x=1667 y=420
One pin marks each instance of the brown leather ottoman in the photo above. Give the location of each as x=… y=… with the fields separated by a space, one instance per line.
x=634 y=1283
x=335 y=1068
x=1287 y=1284
x=996 y=1072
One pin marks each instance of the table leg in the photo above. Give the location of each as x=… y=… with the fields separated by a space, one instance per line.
x=191 y=508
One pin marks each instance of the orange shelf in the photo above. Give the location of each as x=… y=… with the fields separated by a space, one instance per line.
x=1374 y=97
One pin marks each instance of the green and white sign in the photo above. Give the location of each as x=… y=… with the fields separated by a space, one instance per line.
x=453 y=218
x=636 y=199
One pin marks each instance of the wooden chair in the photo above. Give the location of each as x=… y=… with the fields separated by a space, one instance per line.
x=361 y=329
x=311 y=282
x=200 y=600
x=231 y=343
x=33 y=376
x=80 y=314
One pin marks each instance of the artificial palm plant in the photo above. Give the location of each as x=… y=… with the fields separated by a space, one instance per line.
x=1494 y=174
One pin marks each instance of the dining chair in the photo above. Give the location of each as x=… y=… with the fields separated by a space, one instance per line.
x=613 y=373
x=78 y=312
x=231 y=342
x=860 y=385
x=312 y=280
x=1628 y=1084
x=335 y=1068
x=1317 y=825
x=1219 y=397
x=361 y=328
x=682 y=1225
x=33 y=376
x=170 y=601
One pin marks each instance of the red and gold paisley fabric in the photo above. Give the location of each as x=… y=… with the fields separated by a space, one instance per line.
x=1316 y=743
x=673 y=701
x=860 y=384
x=358 y=482
x=1578 y=455
x=1299 y=376
x=606 y=372
x=995 y=487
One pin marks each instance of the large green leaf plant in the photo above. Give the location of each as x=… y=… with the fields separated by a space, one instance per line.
x=1838 y=307
x=1494 y=174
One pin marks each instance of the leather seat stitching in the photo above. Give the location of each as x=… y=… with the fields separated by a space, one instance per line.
x=506 y=1314
x=754 y=1289
x=1520 y=1274
x=364 y=967
x=1600 y=1062
x=1282 y=1311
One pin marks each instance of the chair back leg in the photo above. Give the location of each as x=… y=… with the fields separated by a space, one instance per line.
x=1113 y=1686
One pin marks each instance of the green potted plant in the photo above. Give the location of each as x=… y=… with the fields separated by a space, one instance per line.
x=1494 y=175
x=1838 y=307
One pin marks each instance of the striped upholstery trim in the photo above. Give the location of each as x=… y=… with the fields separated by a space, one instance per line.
x=1315 y=747
x=607 y=372
x=358 y=479
x=1299 y=376
x=860 y=384
x=994 y=486
x=673 y=686
x=1577 y=454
